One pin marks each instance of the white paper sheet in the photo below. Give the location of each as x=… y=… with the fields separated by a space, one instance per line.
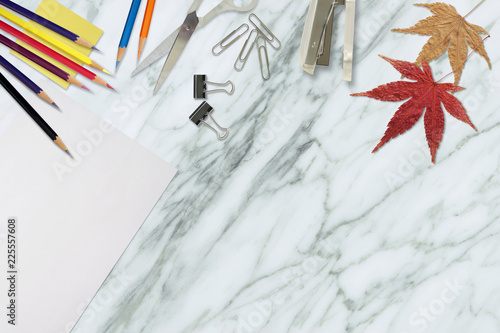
x=74 y=217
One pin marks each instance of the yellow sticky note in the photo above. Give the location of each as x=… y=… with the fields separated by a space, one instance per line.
x=57 y=13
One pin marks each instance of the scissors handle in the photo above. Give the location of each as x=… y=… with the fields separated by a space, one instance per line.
x=224 y=6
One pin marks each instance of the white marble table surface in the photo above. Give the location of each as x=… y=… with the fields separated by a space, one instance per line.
x=291 y=224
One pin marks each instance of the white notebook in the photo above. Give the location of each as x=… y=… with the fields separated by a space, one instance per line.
x=74 y=218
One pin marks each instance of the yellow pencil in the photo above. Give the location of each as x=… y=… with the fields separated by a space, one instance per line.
x=49 y=39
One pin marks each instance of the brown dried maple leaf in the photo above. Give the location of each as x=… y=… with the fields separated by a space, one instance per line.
x=450 y=31
x=425 y=95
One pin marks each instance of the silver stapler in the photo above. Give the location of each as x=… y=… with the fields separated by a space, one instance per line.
x=317 y=37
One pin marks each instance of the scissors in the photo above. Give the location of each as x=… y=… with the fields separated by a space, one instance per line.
x=177 y=41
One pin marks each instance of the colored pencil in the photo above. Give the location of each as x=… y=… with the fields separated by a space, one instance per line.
x=51 y=40
x=127 y=31
x=40 y=61
x=26 y=81
x=53 y=54
x=46 y=23
x=146 y=23
x=32 y=113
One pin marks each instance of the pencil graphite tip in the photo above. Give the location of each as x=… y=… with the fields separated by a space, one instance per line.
x=95 y=49
x=67 y=152
x=56 y=106
x=119 y=56
x=81 y=41
x=142 y=41
x=61 y=145
x=110 y=87
x=85 y=88
x=100 y=81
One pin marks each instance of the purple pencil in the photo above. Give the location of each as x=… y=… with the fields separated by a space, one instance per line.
x=46 y=23
x=40 y=61
x=26 y=81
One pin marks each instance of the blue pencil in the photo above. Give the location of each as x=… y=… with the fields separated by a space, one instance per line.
x=26 y=81
x=127 y=31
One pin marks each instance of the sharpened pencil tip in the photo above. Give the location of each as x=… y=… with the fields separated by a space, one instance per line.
x=117 y=63
x=142 y=41
x=107 y=72
x=61 y=145
x=56 y=106
x=96 y=49
x=67 y=152
x=110 y=87
x=85 y=87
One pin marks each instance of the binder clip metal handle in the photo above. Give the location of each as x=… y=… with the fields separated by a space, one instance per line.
x=199 y=116
x=317 y=37
x=200 y=87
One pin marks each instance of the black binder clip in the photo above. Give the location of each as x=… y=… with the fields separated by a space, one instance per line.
x=200 y=87
x=202 y=112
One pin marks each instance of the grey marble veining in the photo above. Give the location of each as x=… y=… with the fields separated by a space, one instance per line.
x=291 y=224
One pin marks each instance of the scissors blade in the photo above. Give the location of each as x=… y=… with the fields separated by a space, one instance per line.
x=161 y=50
x=185 y=33
x=166 y=46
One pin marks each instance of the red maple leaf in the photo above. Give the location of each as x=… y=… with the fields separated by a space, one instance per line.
x=425 y=95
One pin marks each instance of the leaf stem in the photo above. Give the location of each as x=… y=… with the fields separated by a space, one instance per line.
x=473 y=9
x=470 y=55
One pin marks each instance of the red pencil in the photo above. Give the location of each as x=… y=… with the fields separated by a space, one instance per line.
x=40 y=61
x=53 y=54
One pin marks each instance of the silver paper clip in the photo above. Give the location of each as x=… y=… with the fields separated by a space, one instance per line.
x=199 y=116
x=262 y=49
x=317 y=37
x=272 y=39
x=243 y=60
x=200 y=87
x=227 y=41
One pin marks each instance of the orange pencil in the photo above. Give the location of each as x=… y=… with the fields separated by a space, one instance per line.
x=146 y=23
